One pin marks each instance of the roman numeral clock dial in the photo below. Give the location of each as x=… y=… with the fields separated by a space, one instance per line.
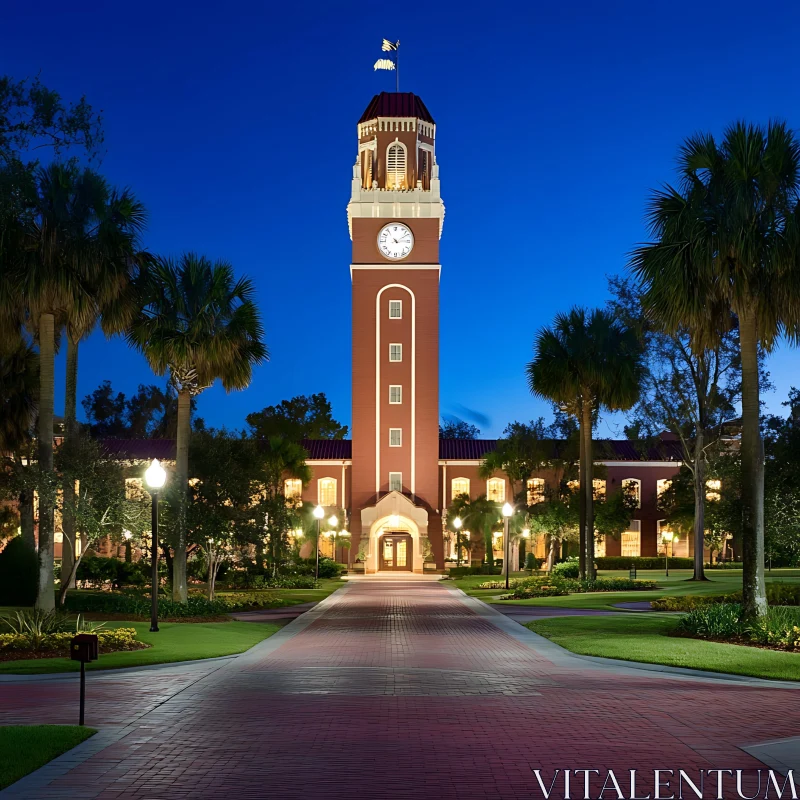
x=395 y=241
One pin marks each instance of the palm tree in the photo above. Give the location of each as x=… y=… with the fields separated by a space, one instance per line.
x=588 y=361
x=197 y=322
x=479 y=516
x=727 y=240
x=49 y=277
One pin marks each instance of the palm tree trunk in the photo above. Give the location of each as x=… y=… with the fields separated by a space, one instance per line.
x=754 y=596
x=587 y=489
x=45 y=595
x=551 y=553
x=68 y=487
x=699 y=506
x=180 y=591
x=26 y=518
x=581 y=504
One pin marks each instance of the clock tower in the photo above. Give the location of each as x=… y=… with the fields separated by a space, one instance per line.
x=395 y=216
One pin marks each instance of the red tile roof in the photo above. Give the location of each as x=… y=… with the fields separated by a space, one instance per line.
x=396 y=104
x=603 y=449
x=139 y=449
x=334 y=449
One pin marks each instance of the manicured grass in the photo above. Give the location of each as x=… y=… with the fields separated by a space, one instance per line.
x=294 y=596
x=678 y=583
x=25 y=748
x=645 y=637
x=176 y=641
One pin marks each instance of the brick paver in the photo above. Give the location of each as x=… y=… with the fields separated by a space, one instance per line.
x=403 y=690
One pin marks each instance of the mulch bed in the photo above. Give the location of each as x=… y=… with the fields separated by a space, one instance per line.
x=99 y=616
x=738 y=640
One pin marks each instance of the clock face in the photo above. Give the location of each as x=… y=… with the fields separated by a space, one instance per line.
x=395 y=241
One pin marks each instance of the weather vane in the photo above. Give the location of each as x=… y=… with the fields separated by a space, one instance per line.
x=388 y=63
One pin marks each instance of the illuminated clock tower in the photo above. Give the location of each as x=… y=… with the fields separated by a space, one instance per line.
x=395 y=217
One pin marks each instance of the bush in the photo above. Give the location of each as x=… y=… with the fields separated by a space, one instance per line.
x=779 y=628
x=556 y=585
x=58 y=642
x=100 y=570
x=567 y=569
x=642 y=562
x=778 y=594
x=249 y=580
x=483 y=569
x=714 y=620
x=19 y=573
x=726 y=565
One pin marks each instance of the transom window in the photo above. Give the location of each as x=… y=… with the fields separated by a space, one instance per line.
x=395 y=395
x=633 y=487
x=535 y=491
x=293 y=488
x=395 y=481
x=459 y=486
x=395 y=352
x=496 y=490
x=395 y=437
x=396 y=166
x=395 y=309
x=326 y=491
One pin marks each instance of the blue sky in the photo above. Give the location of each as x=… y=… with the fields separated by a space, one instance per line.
x=235 y=124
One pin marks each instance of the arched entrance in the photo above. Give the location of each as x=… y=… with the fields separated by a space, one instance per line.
x=395 y=552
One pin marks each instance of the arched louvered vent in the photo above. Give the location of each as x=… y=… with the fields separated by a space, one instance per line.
x=396 y=166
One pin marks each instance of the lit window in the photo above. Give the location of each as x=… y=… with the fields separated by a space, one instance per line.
x=599 y=546
x=396 y=166
x=633 y=487
x=293 y=488
x=134 y=489
x=395 y=437
x=395 y=309
x=395 y=352
x=573 y=485
x=459 y=486
x=632 y=540
x=713 y=490
x=326 y=491
x=496 y=490
x=395 y=481
x=535 y=491
x=598 y=488
x=661 y=486
x=395 y=395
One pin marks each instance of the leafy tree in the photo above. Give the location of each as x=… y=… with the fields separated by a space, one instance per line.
x=690 y=392
x=726 y=242
x=198 y=323
x=587 y=361
x=457 y=429
x=301 y=417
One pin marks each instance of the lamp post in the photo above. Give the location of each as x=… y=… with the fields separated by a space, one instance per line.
x=457 y=523
x=154 y=477
x=526 y=532
x=508 y=510
x=127 y=536
x=667 y=536
x=319 y=513
x=333 y=521
x=345 y=534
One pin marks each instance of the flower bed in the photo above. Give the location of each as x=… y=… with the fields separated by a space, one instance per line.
x=722 y=622
x=778 y=594
x=14 y=646
x=555 y=586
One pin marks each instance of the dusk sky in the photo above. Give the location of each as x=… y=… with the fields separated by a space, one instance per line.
x=235 y=124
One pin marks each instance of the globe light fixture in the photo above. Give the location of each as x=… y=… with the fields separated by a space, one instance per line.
x=508 y=510
x=333 y=521
x=668 y=537
x=457 y=523
x=127 y=534
x=319 y=512
x=526 y=532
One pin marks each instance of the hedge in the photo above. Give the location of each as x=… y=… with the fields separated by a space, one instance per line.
x=109 y=640
x=778 y=594
x=483 y=569
x=642 y=562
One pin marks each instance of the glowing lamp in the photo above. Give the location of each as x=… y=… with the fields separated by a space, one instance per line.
x=319 y=512
x=508 y=509
x=526 y=532
x=155 y=477
x=457 y=523
x=333 y=521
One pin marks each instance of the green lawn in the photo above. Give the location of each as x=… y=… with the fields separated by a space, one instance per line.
x=176 y=641
x=678 y=583
x=24 y=748
x=644 y=637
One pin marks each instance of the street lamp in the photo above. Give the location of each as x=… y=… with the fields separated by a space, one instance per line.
x=667 y=536
x=319 y=513
x=508 y=510
x=154 y=477
x=127 y=536
x=457 y=523
x=345 y=534
x=333 y=521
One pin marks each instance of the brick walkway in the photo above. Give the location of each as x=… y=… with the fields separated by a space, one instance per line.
x=406 y=690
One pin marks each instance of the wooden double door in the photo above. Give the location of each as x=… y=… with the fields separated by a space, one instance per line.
x=396 y=554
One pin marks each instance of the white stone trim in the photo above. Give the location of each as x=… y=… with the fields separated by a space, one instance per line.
x=477 y=461
x=378 y=384
x=323 y=462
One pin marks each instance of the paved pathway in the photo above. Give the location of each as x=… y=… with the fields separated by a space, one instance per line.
x=406 y=690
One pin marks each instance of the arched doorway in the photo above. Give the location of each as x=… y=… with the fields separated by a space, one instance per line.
x=396 y=552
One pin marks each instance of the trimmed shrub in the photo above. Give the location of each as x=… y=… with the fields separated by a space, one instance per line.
x=642 y=562
x=19 y=570
x=778 y=594
x=249 y=580
x=779 y=628
x=483 y=569
x=556 y=585
x=725 y=565
x=567 y=569
x=108 y=640
x=531 y=562
x=714 y=620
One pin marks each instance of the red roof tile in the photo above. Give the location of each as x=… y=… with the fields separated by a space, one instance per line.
x=139 y=449
x=396 y=104
x=603 y=449
x=334 y=449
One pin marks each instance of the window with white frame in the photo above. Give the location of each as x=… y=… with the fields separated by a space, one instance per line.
x=395 y=395
x=134 y=489
x=535 y=491
x=631 y=540
x=395 y=352
x=496 y=490
x=459 y=486
x=293 y=488
x=326 y=491
x=395 y=481
x=395 y=309
x=599 y=546
x=396 y=166
x=661 y=486
x=598 y=488
x=713 y=490
x=633 y=488
x=395 y=437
